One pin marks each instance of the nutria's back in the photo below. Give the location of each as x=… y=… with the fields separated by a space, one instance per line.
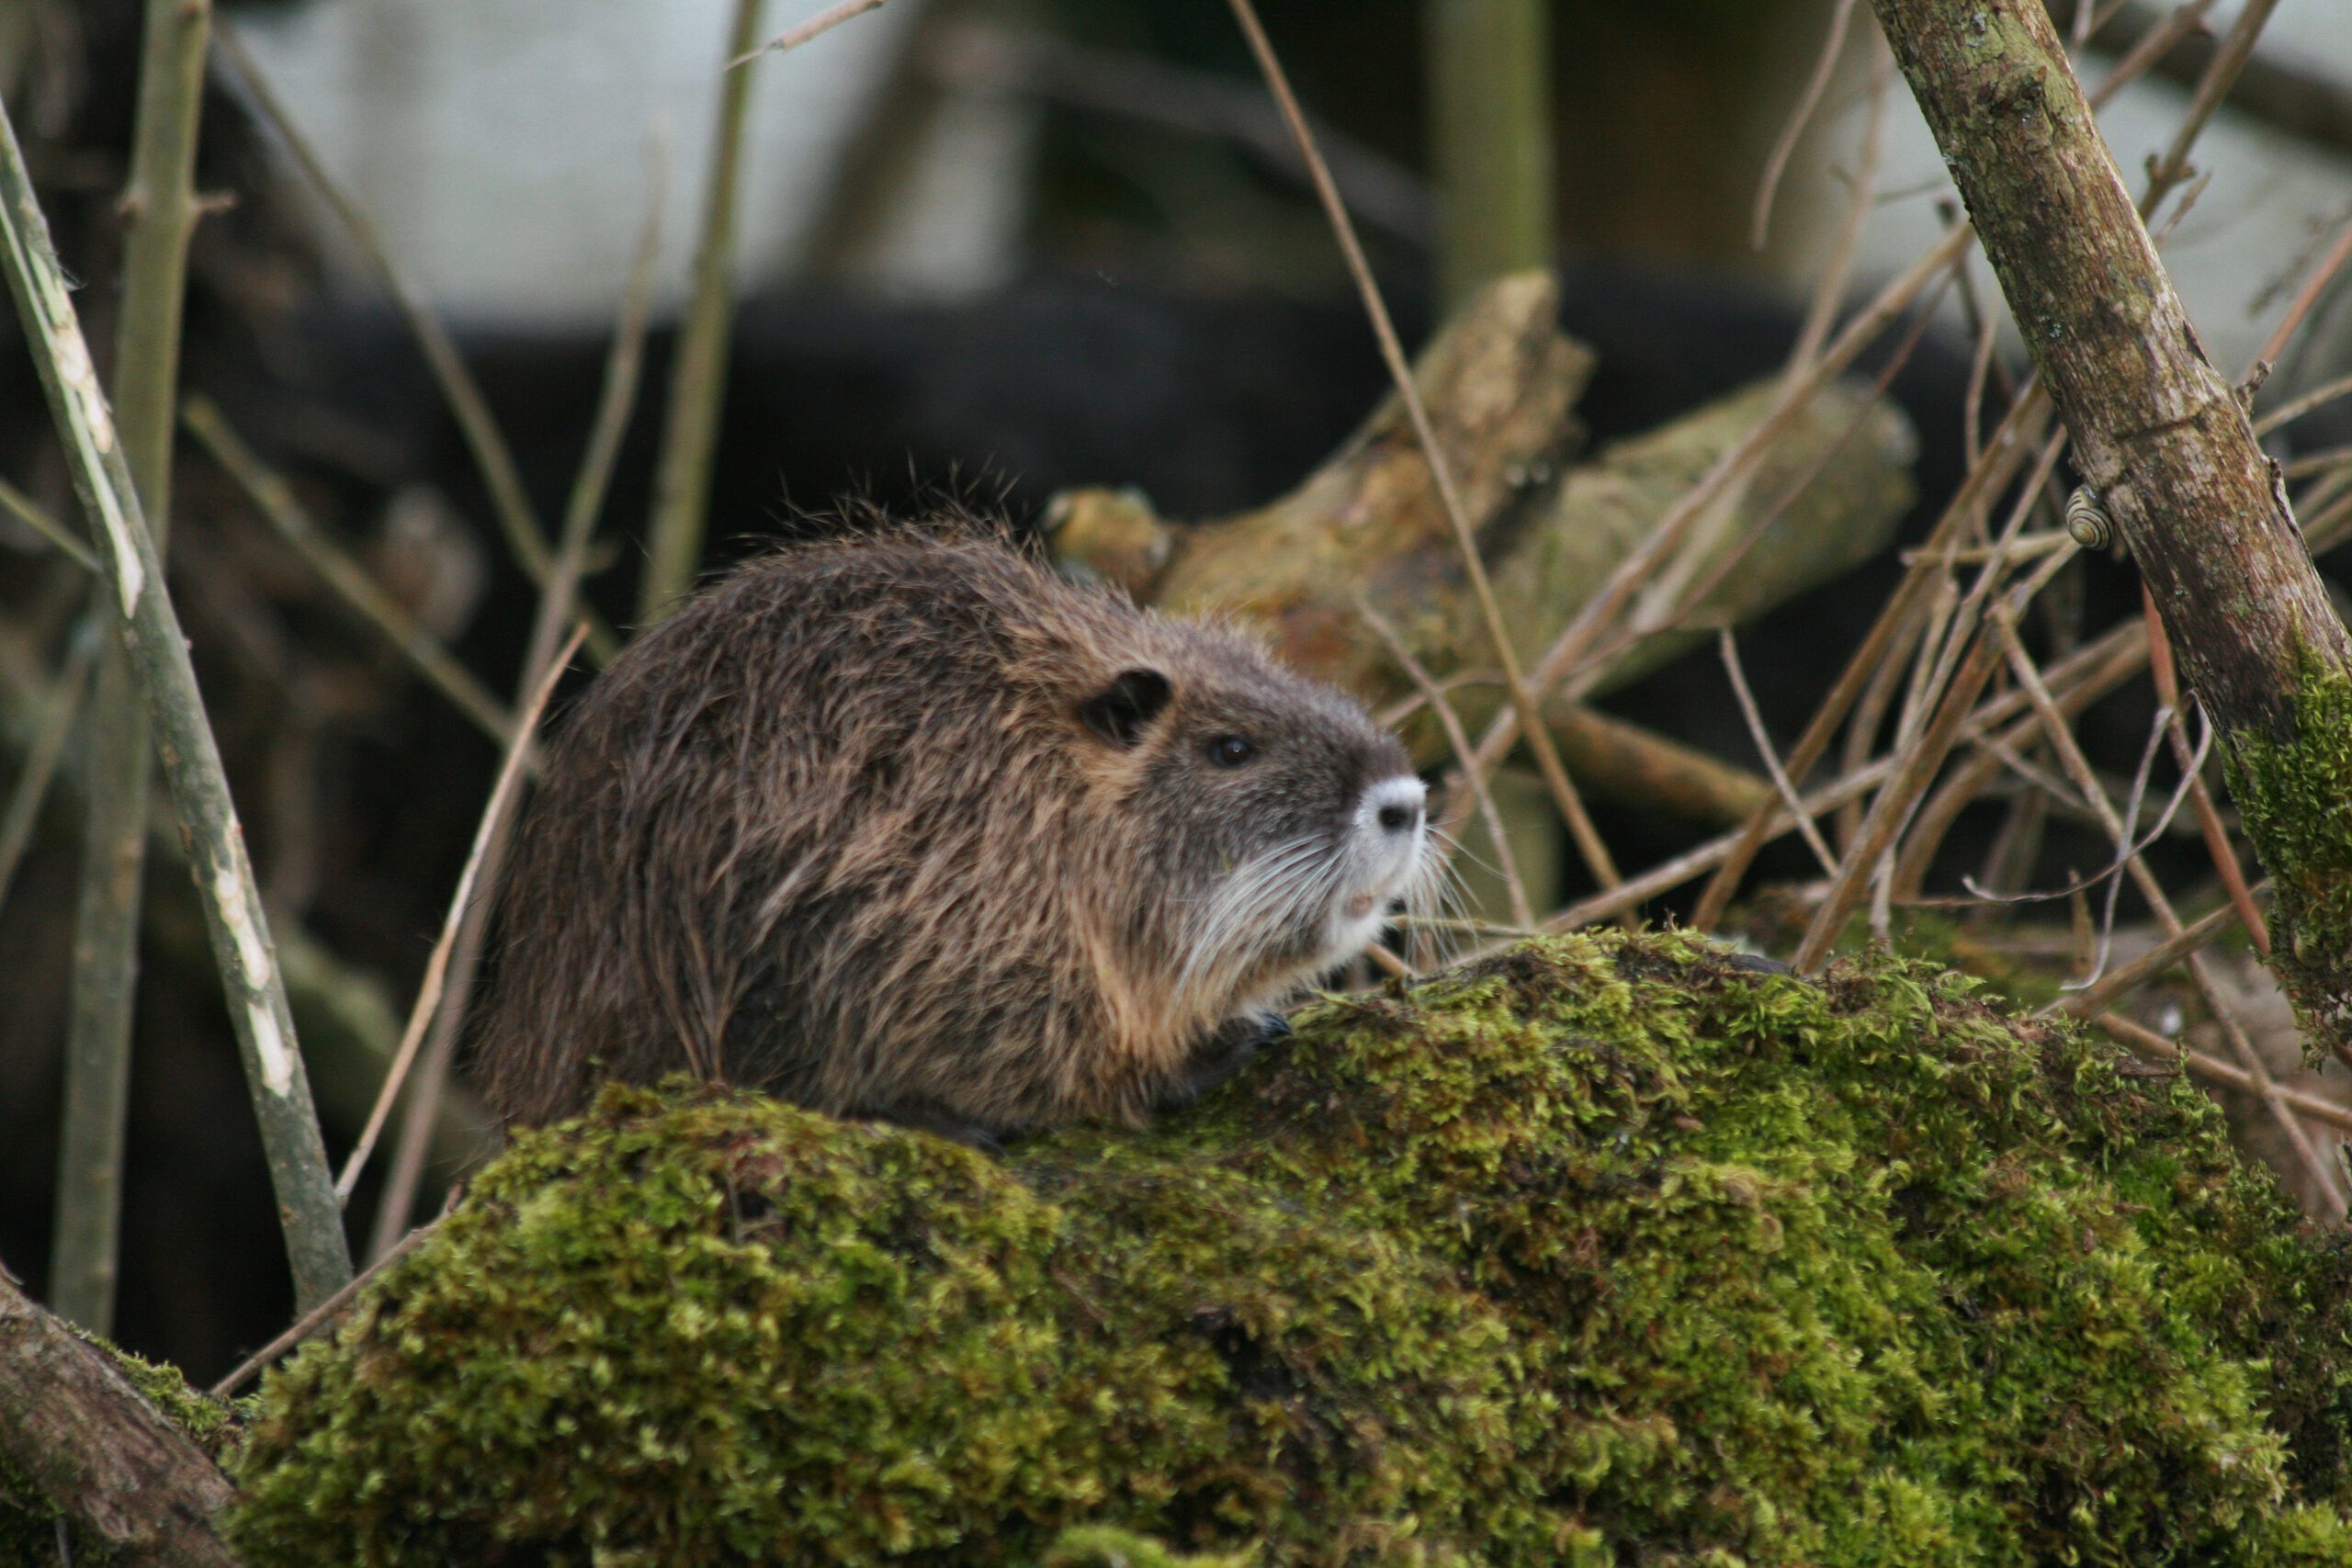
x=908 y=827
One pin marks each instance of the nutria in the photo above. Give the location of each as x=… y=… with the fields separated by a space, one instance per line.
x=904 y=827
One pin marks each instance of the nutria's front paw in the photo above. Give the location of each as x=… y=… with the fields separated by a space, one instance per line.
x=929 y=1116
x=1224 y=1054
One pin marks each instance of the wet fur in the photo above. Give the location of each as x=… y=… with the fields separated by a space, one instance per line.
x=882 y=825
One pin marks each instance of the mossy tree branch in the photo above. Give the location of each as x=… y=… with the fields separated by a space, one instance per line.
x=2163 y=439
x=160 y=212
x=119 y=1471
x=158 y=649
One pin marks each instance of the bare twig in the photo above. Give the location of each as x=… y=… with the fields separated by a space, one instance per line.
x=1730 y=650
x=2098 y=668
x=2149 y=1043
x=34 y=517
x=2208 y=818
x=2306 y=297
x=191 y=761
x=2097 y=997
x=274 y=498
x=2285 y=413
x=824 y=21
x=1825 y=67
x=1522 y=699
x=518 y=521
x=160 y=212
x=1915 y=769
x=2173 y=167
x=621 y=366
x=428 y=994
x=319 y=1316
x=1578 y=638
x=1829 y=291
x=2078 y=768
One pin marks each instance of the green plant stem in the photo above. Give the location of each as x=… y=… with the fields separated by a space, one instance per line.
x=319 y=1258
x=26 y=511
x=698 y=378
x=1490 y=138
x=160 y=211
x=64 y=701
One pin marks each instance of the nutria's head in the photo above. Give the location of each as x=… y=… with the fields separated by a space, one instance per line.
x=1289 y=827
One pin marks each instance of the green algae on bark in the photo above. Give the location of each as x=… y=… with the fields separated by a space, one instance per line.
x=1608 y=1250
x=2296 y=798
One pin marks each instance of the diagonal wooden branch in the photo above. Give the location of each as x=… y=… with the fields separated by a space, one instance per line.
x=126 y=1479
x=2163 y=439
x=249 y=971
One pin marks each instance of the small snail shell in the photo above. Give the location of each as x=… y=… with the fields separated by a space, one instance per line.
x=2087 y=523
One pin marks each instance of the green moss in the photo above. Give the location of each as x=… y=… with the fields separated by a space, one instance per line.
x=2296 y=798
x=1605 y=1251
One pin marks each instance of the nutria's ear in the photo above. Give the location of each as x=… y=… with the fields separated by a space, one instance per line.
x=1123 y=710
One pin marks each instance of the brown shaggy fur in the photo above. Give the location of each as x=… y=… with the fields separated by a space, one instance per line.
x=907 y=827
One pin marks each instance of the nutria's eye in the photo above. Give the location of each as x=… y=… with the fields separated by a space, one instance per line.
x=1230 y=750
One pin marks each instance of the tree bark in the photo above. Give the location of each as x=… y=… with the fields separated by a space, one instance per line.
x=109 y=1462
x=2164 y=440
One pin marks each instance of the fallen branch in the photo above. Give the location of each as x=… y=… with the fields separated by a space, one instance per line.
x=121 y=1473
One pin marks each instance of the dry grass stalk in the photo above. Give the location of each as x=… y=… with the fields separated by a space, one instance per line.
x=557 y=600
x=2148 y=1043
x=2151 y=963
x=428 y=994
x=1522 y=913
x=1524 y=710
x=517 y=519
x=2078 y=768
x=674 y=536
x=1729 y=649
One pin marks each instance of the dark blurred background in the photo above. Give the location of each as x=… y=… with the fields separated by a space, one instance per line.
x=994 y=248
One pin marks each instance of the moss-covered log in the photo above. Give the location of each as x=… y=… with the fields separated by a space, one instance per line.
x=2163 y=438
x=1611 y=1249
x=100 y=1454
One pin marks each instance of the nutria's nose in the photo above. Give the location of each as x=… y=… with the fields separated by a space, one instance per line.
x=1397 y=804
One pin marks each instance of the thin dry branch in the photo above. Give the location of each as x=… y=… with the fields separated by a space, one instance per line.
x=428 y=994
x=2124 y=977
x=274 y=498
x=1522 y=699
x=2078 y=768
